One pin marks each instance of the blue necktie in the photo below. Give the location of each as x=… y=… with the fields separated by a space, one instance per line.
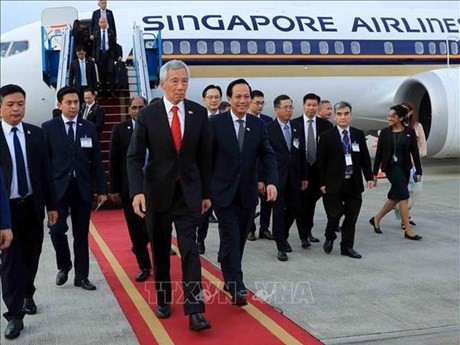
x=287 y=136
x=103 y=41
x=346 y=147
x=70 y=132
x=23 y=188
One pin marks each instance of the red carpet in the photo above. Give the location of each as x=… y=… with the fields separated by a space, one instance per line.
x=257 y=323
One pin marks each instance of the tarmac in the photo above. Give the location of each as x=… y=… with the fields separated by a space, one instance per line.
x=400 y=292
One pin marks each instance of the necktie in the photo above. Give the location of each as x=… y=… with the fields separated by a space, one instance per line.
x=287 y=136
x=103 y=41
x=70 y=132
x=240 y=134
x=346 y=147
x=23 y=188
x=86 y=112
x=311 y=144
x=83 y=81
x=175 y=128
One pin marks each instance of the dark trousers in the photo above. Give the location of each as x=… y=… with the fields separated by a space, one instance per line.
x=105 y=66
x=159 y=229
x=285 y=211
x=202 y=231
x=234 y=223
x=137 y=234
x=20 y=261
x=308 y=200
x=347 y=203
x=265 y=213
x=80 y=212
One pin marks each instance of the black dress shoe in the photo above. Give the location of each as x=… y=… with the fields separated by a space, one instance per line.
x=200 y=247
x=328 y=245
x=351 y=253
x=282 y=256
x=29 y=306
x=313 y=239
x=376 y=229
x=62 y=276
x=172 y=252
x=266 y=235
x=288 y=247
x=306 y=243
x=197 y=322
x=163 y=311
x=85 y=284
x=414 y=238
x=251 y=236
x=14 y=328
x=239 y=298
x=143 y=275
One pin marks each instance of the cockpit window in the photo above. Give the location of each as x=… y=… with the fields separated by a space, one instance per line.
x=4 y=48
x=18 y=47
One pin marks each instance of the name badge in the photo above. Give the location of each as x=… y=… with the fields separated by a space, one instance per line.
x=296 y=143
x=348 y=160
x=355 y=147
x=86 y=142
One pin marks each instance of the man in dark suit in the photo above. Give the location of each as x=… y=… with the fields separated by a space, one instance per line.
x=255 y=108
x=76 y=164
x=119 y=144
x=288 y=142
x=313 y=127
x=82 y=73
x=28 y=183
x=343 y=158
x=238 y=141
x=104 y=54
x=175 y=189
x=92 y=111
x=102 y=12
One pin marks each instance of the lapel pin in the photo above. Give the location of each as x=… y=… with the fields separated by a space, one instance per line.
x=80 y=124
x=190 y=112
x=28 y=132
x=248 y=129
x=129 y=127
x=294 y=130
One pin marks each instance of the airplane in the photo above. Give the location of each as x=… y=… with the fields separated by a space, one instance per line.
x=372 y=54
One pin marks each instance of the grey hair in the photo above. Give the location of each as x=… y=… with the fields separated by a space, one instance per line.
x=324 y=101
x=173 y=65
x=342 y=104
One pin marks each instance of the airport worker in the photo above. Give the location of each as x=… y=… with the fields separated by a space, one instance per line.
x=176 y=186
x=91 y=110
x=396 y=149
x=325 y=109
x=343 y=159
x=82 y=73
x=238 y=141
x=102 y=12
x=29 y=186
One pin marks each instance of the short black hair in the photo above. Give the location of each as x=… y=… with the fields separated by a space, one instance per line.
x=400 y=110
x=65 y=91
x=257 y=93
x=311 y=96
x=209 y=87
x=235 y=82
x=223 y=105
x=280 y=98
x=89 y=89
x=9 y=89
x=80 y=48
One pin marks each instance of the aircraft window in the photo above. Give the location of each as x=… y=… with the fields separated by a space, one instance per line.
x=339 y=48
x=305 y=47
x=454 y=48
x=218 y=47
x=270 y=47
x=323 y=47
x=419 y=48
x=287 y=47
x=4 y=48
x=235 y=47
x=185 y=47
x=202 y=47
x=432 y=48
x=355 y=47
x=443 y=48
x=252 y=47
x=19 y=47
x=388 y=47
x=168 y=47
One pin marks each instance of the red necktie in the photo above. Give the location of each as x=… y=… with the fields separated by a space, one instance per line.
x=175 y=128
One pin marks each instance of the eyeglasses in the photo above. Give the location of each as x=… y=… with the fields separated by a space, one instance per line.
x=212 y=97
x=134 y=107
x=286 y=107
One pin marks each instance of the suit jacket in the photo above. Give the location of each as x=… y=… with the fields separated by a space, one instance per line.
x=234 y=172
x=119 y=144
x=267 y=119
x=67 y=157
x=96 y=115
x=75 y=74
x=331 y=160
x=94 y=25
x=111 y=37
x=40 y=173
x=5 y=215
x=292 y=165
x=385 y=151
x=164 y=165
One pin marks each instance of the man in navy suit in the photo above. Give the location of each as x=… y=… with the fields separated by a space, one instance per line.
x=238 y=141
x=175 y=189
x=102 y=12
x=79 y=80
x=288 y=140
x=76 y=164
x=29 y=187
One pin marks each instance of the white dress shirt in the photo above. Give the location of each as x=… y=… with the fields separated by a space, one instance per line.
x=236 y=124
x=181 y=113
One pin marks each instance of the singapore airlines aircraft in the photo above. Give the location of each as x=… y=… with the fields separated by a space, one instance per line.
x=372 y=54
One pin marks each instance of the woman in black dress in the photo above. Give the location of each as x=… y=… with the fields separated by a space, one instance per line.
x=396 y=144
